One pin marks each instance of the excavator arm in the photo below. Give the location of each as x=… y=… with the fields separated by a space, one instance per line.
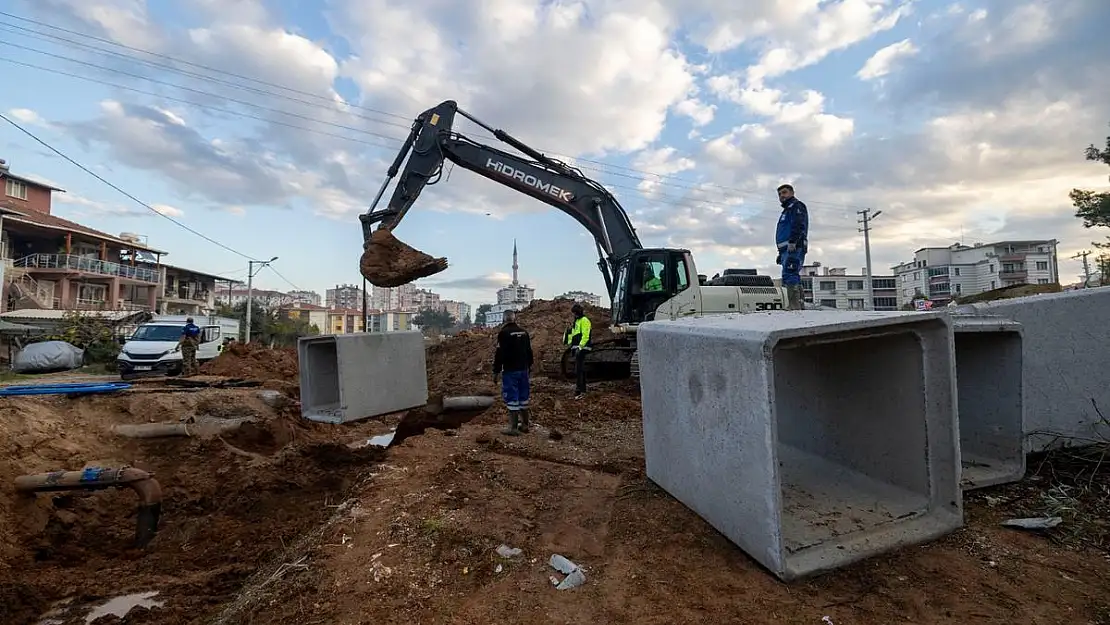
x=388 y=262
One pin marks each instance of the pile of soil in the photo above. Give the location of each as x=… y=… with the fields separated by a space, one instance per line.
x=457 y=364
x=254 y=361
x=387 y=262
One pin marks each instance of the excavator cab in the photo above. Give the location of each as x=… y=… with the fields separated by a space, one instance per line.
x=646 y=279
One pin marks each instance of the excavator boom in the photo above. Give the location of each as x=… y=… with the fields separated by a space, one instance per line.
x=388 y=262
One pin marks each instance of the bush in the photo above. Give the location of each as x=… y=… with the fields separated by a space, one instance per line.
x=89 y=332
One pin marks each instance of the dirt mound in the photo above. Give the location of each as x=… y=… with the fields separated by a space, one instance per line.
x=254 y=361
x=459 y=363
x=387 y=262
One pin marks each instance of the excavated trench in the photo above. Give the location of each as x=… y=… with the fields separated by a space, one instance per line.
x=232 y=504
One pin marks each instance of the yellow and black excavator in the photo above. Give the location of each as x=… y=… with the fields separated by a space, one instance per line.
x=644 y=284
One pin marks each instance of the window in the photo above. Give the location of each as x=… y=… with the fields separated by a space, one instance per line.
x=990 y=270
x=957 y=270
x=916 y=276
x=827 y=285
x=855 y=285
x=828 y=303
x=1042 y=265
x=886 y=303
x=992 y=285
x=958 y=290
x=211 y=333
x=683 y=277
x=855 y=304
x=1042 y=280
x=15 y=188
x=884 y=283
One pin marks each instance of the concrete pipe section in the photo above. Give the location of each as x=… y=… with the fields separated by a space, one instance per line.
x=98 y=478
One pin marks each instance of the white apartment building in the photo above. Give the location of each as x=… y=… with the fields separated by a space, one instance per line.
x=235 y=297
x=344 y=296
x=834 y=287
x=304 y=297
x=389 y=321
x=423 y=299
x=581 y=297
x=943 y=273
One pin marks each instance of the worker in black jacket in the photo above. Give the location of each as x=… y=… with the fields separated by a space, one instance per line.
x=511 y=362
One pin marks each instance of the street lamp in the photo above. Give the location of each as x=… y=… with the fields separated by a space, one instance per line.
x=250 y=288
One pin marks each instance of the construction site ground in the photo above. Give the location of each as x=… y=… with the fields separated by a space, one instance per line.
x=289 y=522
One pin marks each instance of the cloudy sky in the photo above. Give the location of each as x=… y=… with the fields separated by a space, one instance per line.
x=268 y=125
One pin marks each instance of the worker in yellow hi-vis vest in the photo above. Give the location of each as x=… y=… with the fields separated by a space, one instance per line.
x=578 y=338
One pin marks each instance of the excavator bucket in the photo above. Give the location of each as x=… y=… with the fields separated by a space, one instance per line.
x=387 y=262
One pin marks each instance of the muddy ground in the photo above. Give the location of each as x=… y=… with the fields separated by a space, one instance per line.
x=286 y=522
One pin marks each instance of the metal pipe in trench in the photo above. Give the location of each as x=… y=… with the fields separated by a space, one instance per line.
x=97 y=478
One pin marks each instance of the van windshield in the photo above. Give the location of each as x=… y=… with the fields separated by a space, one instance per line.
x=157 y=333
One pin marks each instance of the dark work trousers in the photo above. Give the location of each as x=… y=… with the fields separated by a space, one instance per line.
x=580 y=369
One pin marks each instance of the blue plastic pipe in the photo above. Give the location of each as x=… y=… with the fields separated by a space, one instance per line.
x=72 y=388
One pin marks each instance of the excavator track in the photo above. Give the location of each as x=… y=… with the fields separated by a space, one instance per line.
x=608 y=360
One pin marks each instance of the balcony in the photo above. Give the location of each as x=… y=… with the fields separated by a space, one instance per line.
x=69 y=263
x=1013 y=274
x=187 y=294
x=84 y=304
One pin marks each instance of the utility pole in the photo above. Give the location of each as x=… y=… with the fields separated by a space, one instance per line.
x=865 y=220
x=365 y=316
x=250 y=289
x=1086 y=267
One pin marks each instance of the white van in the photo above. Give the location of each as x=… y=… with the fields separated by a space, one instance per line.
x=153 y=348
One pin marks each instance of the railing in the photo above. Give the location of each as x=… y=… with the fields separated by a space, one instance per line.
x=71 y=262
x=84 y=303
x=30 y=288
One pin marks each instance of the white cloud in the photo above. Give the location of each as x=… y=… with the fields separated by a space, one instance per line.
x=884 y=60
x=167 y=210
x=27 y=116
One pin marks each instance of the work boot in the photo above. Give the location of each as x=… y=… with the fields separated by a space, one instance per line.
x=525 y=420
x=795 y=297
x=513 y=429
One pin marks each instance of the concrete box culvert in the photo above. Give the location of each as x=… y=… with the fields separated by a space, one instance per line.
x=1067 y=350
x=810 y=439
x=990 y=387
x=347 y=377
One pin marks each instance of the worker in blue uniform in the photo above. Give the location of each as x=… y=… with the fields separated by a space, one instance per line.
x=792 y=241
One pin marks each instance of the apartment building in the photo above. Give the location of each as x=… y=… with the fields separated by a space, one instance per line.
x=395 y=298
x=265 y=297
x=47 y=262
x=389 y=321
x=943 y=273
x=311 y=314
x=344 y=321
x=344 y=296
x=304 y=297
x=581 y=297
x=836 y=288
x=423 y=299
x=458 y=310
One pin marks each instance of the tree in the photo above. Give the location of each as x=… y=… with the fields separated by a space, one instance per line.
x=1091 y=206
x=91 y=333
x=269 y=324
x=434 y=321
x=480 y=315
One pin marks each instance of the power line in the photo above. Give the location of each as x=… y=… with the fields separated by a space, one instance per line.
x=287 y=280
x=132 y=197
x=660 y=177
x=663 y=199
x=191 y=103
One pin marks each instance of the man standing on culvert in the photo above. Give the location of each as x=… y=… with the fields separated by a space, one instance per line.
x=511 y=362
x=578 y=338
x=792 y=240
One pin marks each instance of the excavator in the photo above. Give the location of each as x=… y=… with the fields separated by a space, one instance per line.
x=644 y=284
